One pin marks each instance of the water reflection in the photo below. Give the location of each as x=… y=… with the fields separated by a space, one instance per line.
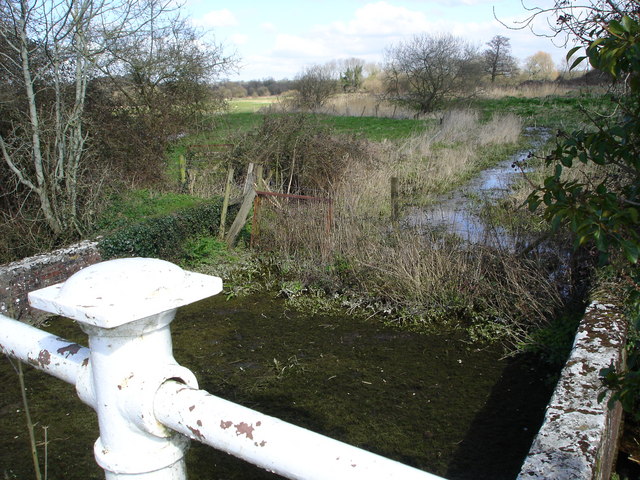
x=458 y=212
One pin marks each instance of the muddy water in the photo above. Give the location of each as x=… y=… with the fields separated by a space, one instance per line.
x=432 y=401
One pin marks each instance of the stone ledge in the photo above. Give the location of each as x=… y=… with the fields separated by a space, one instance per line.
x=578 y=438
x=17 y=279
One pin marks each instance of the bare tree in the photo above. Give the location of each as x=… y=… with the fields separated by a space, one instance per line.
x=540 y=66
x=161 y=75
x=49 y=53
x=167 y=54
x=52 y=46
x=498 y=61
x=427 y=70
x=315 y=85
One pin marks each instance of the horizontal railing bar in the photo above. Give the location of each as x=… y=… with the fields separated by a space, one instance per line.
x=58 y=357
x=261 y=193
x=265 y=441
x=270 y=443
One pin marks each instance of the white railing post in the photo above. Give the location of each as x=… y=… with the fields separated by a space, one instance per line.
x=125 y=306
x=148 y=406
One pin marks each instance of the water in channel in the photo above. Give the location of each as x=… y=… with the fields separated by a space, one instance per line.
x=457 y=211
x=432 y=401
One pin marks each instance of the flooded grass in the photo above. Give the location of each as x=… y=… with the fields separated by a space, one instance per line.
x=434 y=402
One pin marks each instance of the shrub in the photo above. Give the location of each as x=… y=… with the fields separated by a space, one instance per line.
x=162 y=236
x=299 y=154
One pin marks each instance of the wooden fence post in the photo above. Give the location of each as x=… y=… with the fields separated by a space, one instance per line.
x=225 y=203
x=245 y=208
x=394 y=199
x=250 y=180
x=255 y=224
x=183 y=171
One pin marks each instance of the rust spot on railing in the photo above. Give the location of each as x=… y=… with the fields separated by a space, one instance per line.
x=70 y=349
x=44 y=358
x=197 y=433
x=243 y=428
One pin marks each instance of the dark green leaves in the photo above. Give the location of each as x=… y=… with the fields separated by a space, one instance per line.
x=162 y=236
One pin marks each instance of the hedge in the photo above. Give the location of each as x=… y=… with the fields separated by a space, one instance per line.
x=163 y=236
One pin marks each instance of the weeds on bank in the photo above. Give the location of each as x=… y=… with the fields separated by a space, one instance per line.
x=424 y=280
x=135 y=205
x=356 y=256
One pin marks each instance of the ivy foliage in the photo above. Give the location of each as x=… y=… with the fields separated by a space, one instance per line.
x=163 y=236
x=603 y=208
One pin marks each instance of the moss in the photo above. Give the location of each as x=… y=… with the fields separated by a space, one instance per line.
x=431 y=401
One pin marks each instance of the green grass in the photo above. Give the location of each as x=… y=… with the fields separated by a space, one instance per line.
x=561 y=112
x=373 y=128
x=135 y=205
x=250 y=105
x=551 y=111
x=376 y=128
x=222 y=129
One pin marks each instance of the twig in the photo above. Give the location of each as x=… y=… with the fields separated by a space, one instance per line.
x=32 y=438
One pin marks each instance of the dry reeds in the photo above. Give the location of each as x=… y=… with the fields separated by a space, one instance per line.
x=364 y=105
x=430 y=278
x=528 y=90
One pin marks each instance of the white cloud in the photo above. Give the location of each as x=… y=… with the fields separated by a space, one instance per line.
x=268 y=27
x=239 y=39
x=300 y=47
x=217 y=18
x=382 y=18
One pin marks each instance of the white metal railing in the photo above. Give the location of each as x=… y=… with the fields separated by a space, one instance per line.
x=148 y=406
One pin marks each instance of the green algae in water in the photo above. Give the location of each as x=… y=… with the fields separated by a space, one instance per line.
x=432 y=401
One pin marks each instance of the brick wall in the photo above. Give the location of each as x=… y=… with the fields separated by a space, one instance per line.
x=17 y=279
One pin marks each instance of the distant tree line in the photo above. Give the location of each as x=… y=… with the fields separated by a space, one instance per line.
x=423 y=72
x=253 y=88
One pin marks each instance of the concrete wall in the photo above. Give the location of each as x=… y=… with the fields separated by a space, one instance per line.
x=579 y=436
x=17 y=279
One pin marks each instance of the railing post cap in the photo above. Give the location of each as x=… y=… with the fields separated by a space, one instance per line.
x=116 y=292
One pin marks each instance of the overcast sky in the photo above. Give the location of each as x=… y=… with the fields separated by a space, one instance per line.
x=279 y=38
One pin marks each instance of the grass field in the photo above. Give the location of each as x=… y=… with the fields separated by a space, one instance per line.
x=562 y=111
x=557 y=112
x=376 y=128
x=250 y=105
